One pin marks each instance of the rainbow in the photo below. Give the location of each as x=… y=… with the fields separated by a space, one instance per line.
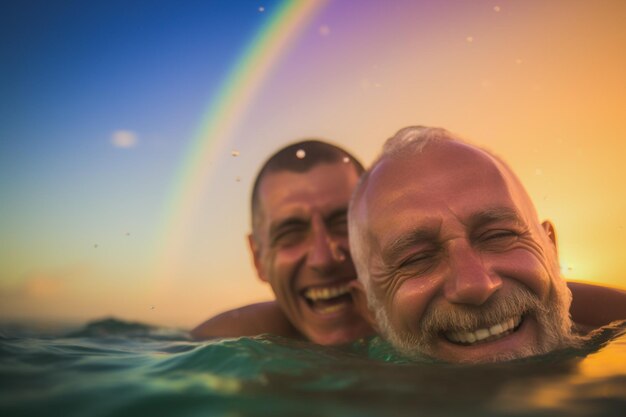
x=226 y=108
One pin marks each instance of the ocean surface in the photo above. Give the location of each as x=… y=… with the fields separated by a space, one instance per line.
x=115 y=368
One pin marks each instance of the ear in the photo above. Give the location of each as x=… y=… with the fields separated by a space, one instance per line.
x=256 y=257
x=548 y=227
x=359 y=296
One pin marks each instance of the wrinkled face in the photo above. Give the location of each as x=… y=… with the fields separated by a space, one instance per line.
x=301 y=249
x=460 y=269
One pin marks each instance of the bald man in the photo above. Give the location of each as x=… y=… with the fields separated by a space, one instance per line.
x=453 y=262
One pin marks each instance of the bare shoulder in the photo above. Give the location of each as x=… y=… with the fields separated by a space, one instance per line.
x=596 y=305
x=249 y=320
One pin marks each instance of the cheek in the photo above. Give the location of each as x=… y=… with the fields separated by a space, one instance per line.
x=527 y=269
x=281 y=263
x=410 y=300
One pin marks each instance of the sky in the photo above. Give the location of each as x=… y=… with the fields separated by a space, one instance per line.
x=131 y=132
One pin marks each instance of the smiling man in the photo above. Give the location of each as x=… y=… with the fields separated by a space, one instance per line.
x=299 y=243
x=452 y=256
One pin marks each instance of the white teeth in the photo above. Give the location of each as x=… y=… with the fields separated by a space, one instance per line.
x=326 y=293
x=332 y=309
x=482 y=334
x=496 y=330
x=499 y=329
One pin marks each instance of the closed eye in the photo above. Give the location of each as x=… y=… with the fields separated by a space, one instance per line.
x=498 y=239
x=289 y=233
x=421 y=261
x=498 y=234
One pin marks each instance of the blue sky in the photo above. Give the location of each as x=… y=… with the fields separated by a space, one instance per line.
x=75 y=72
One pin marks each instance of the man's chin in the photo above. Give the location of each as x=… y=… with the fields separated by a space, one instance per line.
x=332 y=322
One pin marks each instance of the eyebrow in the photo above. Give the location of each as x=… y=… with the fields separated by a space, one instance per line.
x=494 y=215
x=338 y=212
x=408 y=240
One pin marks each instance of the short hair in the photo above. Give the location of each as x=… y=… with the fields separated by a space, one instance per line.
x=409 y=140
x=299 y=157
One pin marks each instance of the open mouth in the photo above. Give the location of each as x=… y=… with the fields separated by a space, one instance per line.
x=483 y=335
x=327 y=300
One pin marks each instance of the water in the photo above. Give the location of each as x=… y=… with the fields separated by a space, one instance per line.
x=119 y=369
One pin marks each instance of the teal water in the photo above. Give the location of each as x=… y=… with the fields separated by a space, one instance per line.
x=120 y=369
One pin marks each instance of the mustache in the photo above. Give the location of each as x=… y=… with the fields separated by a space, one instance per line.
x=501 y=307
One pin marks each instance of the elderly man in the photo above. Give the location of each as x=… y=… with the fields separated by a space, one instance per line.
x=454 y=261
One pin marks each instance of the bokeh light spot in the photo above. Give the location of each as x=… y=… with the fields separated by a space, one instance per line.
x=124 y=139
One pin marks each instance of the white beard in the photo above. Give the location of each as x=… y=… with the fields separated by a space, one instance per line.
x=552 y=316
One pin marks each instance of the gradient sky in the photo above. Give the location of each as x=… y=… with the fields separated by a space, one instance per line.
x=101 y=102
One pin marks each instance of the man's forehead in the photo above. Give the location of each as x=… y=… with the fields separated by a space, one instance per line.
x=321 y=177
x=438 y=166
x=437 y=159
x=444 y=178
x=324 y=184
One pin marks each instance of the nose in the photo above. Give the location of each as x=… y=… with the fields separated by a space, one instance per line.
x=469 y=282
x=325 y=252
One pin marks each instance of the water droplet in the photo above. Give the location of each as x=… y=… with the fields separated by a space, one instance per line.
x=496 y=8
x=238 y=179
x=300 y=154
x=127 y=233
x=152 y=307
x=324 y=30
x=234 y=153
x=95 y=246
x=346 y=159
x=261 y=9
x=469 y=39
